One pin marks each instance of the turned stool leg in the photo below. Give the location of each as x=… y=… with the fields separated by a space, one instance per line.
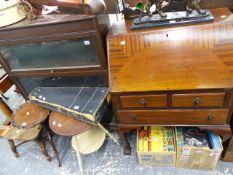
x=13 y=147
x=43 y=149
x=79 y=161
x=50 y=139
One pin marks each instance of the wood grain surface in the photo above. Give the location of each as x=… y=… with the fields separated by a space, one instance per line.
x=65 y=125
x=198 y=99
x=144 y=101
x=5 y=109
x=29 y=115
x=177 y=58
x=185 y=117
x=191 y=64
x=5 y=83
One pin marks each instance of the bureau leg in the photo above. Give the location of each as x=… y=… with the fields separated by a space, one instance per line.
x=127 y=148
x=225 y=133
x=228 y=151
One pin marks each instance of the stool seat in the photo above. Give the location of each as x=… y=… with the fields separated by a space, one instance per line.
x=28 y=124
x=65 y=125
x=10 y=132
x=29 y=115
x=89 y=141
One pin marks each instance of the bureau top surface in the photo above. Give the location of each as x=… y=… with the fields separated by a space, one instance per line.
x=175 y=58
x=47 y=20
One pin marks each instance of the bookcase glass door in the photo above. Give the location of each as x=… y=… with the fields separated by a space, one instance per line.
x=49 y=55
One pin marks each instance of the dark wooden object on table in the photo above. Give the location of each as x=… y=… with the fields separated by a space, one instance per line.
x=27 y=117
x=176 y=76
x=64 y=5
x=111 y=5
x=48 y=39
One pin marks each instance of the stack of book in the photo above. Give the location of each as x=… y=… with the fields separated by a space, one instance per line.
x=156 y=139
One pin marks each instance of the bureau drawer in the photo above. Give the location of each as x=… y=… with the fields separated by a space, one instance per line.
x=165 y=117
x=198 y=100
x=144 y=101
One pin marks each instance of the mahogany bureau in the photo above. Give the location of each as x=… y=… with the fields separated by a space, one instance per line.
x=176 y=76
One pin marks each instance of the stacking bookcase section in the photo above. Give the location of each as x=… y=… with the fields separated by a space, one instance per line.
x=197 y=149
x=65 y=50
x=156 y=145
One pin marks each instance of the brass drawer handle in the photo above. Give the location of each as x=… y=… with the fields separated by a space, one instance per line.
x=51 y=71
x=133 y=116
x=210 y=117
x=196 y=101
x=143 y=102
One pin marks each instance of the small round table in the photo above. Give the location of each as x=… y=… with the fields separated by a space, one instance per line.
x=65 y=125
x=28 y=116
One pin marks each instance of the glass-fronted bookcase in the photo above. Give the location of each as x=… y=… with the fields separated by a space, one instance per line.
x=55 y=50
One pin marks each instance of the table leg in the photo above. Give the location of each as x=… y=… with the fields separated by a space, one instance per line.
x=13 y=147
x=50 y=139
x=127 y=148
x=80 y=162
x=43 y=149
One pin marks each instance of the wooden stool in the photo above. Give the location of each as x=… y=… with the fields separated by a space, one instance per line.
x=64 y=125
x=86 y=138
x=27 y=117
x=12 y=133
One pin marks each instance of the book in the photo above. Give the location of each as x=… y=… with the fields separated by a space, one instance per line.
x=156 y=139
x=215 y=141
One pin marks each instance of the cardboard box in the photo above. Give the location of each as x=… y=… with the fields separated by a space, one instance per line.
x=156 y=146
x=197 y=157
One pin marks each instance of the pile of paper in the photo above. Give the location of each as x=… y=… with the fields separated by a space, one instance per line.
x=191 y=136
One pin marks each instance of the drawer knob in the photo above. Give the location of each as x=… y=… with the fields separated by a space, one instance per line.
x=133 y=116
x=143 y=102
x=51 y=71
x=210 y=117
x=196 y=101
